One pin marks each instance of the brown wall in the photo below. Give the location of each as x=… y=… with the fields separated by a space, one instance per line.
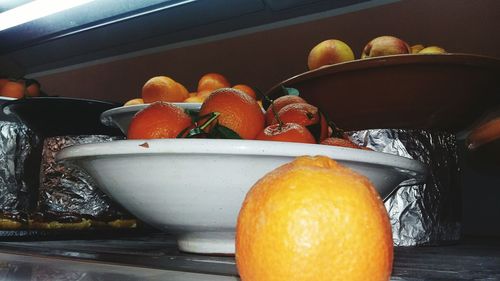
x=263 y=59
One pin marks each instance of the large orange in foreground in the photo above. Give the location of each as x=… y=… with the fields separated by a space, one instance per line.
x=313 y=220
x=238 y=111
x=159 y=120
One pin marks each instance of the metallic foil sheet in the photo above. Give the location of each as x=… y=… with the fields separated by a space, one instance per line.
x=67 y=191
x=429 y=213
x=17 y=143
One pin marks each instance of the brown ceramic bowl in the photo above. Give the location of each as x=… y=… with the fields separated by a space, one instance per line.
x=443 y=92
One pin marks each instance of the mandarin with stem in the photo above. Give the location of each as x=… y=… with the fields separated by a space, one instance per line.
x=306 y=115
x=158 y=121
x=237 y=111
x=289 y=132
x=278 y=104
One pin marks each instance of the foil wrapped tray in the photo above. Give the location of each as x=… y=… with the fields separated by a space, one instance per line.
x=429 y=213
x=40 y=198
x=68 y=195
x=16 y=194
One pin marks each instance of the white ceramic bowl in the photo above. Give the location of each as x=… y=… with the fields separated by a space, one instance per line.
x=120 y=117
x=194 y=188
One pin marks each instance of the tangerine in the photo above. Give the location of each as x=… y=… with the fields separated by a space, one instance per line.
x=194 y=99
x=237 y=111
x=313 y=219
x=289 y=132
x=212 y=81
x=306 y=115
x=3 y=81
x=32 y=87
x=341 y=142
x=246 y=89
x=13 y=89
x=159 y=120
x=134 y=102
x=203 y=95
x=278 y=104
x=163 y=88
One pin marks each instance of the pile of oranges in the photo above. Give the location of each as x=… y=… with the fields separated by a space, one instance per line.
x=19 y=88
x=164 y=88
x=229 y=112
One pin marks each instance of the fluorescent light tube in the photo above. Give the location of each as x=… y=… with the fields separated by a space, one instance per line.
x=34 y=10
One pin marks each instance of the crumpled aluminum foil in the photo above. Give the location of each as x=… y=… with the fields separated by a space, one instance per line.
x=16 y=142
x=69 y=191
x=429 y=213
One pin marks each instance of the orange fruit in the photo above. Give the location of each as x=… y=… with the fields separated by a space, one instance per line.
x=13 y=89
x=159 y=120
x=194 y=99
x=212 y=81
x=238 y=111
x=341 y=142
x=246 y=89
x=134 y=102
x=203 y=95
x=313 y=220
x=278 y=104
x=183 y=89
x=32 y=88
x=328 y=52
x=163 y=88
x=304 y=114
x=289 y=132
x=3 y=81
x=416 y=48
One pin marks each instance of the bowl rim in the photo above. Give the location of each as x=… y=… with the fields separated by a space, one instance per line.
x=157 y=147
x=12 y=103
x=389 y=61
x=107 y=116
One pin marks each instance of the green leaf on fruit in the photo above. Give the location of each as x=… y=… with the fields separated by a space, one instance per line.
x=223 y=132
x=182 y=133
x=195 y=133
x=192 y=113
x=290 y=91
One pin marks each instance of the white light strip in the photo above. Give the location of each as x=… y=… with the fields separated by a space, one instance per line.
x=35 y=10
